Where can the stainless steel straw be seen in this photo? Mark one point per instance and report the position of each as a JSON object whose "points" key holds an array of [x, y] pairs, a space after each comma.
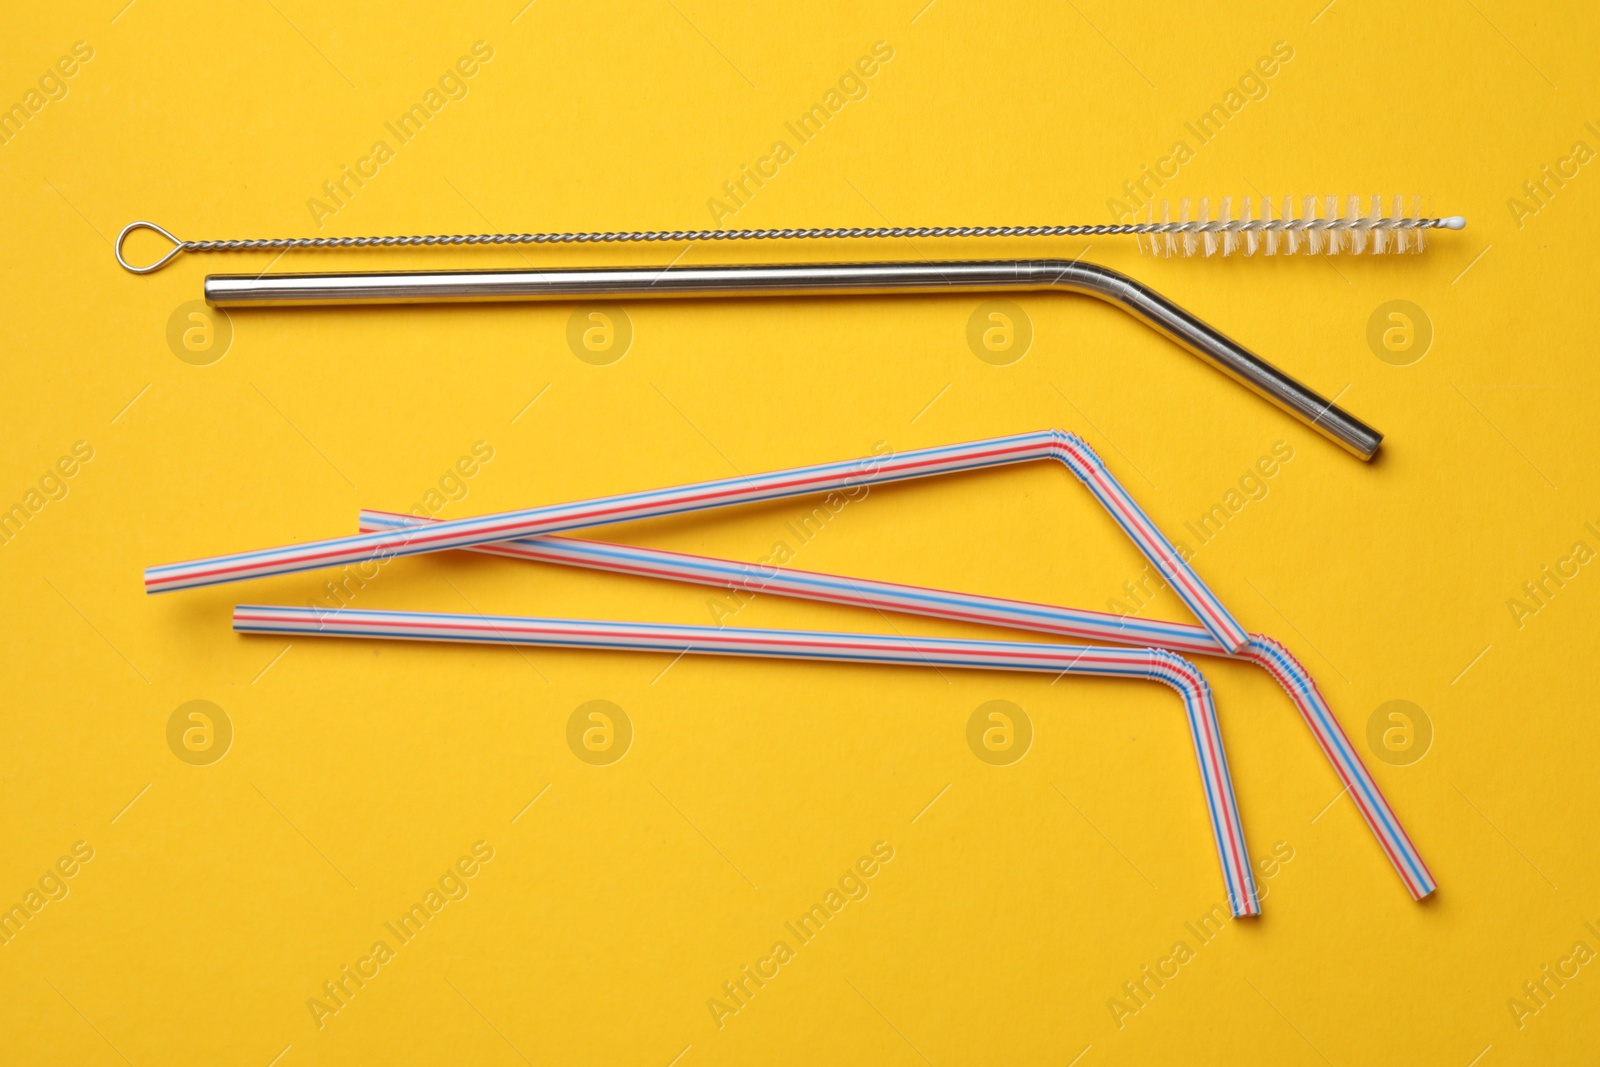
{"points": [[821, 279]]}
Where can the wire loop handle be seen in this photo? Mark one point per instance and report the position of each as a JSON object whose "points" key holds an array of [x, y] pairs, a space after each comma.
{"points": [[808, 234], [177, 246]]}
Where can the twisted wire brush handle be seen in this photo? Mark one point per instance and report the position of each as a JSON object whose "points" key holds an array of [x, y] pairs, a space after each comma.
{"points": [[1141, 229]]}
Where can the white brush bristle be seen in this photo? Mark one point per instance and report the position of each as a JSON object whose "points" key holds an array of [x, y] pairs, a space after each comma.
{"points": [[1330, 226]]}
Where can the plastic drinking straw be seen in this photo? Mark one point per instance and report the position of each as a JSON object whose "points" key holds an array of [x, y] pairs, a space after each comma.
{"points": [[1148, 663], [1017, 614], [465, 533]]}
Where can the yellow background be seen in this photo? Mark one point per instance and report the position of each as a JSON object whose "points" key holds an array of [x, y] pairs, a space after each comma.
{"points": [[220, 898]]}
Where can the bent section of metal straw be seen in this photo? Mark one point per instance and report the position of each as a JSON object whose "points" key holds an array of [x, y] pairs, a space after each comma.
{"points": [[1148, 663], [819, 279], [751, 579]]}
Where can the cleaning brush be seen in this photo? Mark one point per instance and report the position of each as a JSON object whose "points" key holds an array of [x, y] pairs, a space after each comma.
{"points": [[1318, 228]]}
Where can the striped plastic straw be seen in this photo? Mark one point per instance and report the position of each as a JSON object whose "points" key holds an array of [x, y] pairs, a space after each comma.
{"points": [[1148, 663], [465, 533], [1016, 614]]}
